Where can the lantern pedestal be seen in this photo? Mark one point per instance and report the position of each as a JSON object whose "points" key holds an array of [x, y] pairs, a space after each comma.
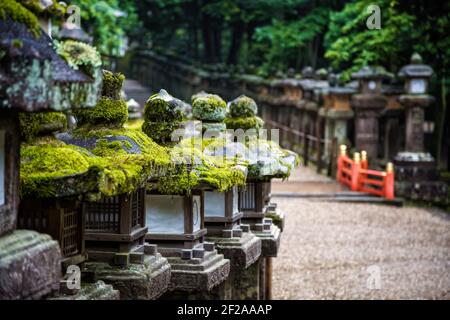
{"points": [[29, 265], [416, 174], [145, 281], [417, 178], [243, 253], [91, 291]]}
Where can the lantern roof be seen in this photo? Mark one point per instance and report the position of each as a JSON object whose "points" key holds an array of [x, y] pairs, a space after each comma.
{"points": [[34, 76], [372, 73], [73, 32], [416, 68]]}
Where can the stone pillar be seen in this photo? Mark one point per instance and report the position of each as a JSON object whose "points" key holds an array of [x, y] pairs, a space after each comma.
{"points": [[367, 106]]}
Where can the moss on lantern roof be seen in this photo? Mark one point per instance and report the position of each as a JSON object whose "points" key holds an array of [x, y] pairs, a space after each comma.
{"points": [[46, 162], [19, 13], [110, 110], [79, 55], [194, 168], [242, 106], [244, 123], [162, 115], [209, 107], [33, 124], [40, 7]]}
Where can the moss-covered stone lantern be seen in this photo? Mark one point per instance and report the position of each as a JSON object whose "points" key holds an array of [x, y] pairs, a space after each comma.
{"points": [[175, 218], [115, 211], [33, 78]]}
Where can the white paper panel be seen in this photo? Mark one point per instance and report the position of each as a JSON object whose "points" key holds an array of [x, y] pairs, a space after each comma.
{"points": [[2, 167], [196, 211], [417, 86], [214, 204], [165, 213]]}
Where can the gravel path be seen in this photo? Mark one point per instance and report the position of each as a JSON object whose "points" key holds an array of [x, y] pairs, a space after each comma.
{"points": [[361, 251]]}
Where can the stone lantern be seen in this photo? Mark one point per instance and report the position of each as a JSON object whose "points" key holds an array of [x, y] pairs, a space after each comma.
{"points": [[114, 212], [33, 78], [416, 173], [337, 113], [367, 106]]}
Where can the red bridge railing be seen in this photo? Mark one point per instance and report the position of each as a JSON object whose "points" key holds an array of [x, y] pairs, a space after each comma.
{"points": [[355, 174]]}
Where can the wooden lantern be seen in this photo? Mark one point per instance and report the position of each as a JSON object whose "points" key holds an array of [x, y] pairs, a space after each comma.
{"points": [[222, 214], [60, 218], [176, 222], [115, 228]]}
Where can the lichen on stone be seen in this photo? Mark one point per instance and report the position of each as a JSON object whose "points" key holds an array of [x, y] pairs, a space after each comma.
{"points": [[79, 55]]}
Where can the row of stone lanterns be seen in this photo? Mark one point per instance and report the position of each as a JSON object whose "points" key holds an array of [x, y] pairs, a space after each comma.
{"points": [[119, 207]]}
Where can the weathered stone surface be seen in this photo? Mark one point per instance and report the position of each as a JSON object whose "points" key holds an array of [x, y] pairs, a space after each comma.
{"points": [[270, 240], [29, 265], [92, 291], [198, 274], [145, 281], [242, 252]]}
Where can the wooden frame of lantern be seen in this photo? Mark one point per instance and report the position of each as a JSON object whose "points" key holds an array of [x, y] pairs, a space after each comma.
{"points": [[9, 169], [62, 219], [222, 214], [115, 228], [176, 223]]}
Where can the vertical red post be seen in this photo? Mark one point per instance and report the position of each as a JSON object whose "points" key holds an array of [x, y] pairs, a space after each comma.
{"points": [[356, 166], [340, 164], [389, 182], [364, 161]]}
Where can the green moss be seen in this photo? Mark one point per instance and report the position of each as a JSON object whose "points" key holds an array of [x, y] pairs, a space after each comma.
{"points": [[107, 112], [243, 107], [162, 115], [79, 55], [33, 124], [112, 84], [17, 12], [162, 107], [209, 107], [17, 43], [244, 123]]}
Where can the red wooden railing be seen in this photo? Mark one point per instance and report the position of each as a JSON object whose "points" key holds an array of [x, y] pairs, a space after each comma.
{"points": [[355, 174]]}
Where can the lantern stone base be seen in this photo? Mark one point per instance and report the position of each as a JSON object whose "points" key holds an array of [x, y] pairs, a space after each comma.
{"points": [[197, 274], [91, 291], [269, 234], [146, 281], [417, 178], [30, 265], [241, 251], [277, 216]]}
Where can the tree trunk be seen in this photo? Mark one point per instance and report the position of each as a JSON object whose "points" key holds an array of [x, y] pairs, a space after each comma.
{"points": [[236, 42]]}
